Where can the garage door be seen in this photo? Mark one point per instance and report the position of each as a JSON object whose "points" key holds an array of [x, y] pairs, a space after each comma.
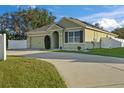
{"points": [[36, 42]]}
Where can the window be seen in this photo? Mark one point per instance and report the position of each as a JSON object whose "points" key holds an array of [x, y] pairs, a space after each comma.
{"points": [[77, 37], [73, 37]]}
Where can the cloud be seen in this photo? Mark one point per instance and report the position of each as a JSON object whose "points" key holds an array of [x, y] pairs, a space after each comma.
{"points": [[95, 17], [108, 24], [108, 20], [122, 23], [117, 13], [111, 6]]}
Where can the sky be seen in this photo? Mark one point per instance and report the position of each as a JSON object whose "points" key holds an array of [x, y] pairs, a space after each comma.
{"points": [[108, 16]]}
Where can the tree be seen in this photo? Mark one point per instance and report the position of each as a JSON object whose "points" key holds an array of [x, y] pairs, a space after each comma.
{"points": [[98, 25], [4, 20], [119, 31], [23, 20], [35, 18]]}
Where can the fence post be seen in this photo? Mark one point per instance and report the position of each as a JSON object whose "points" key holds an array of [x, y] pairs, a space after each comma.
{"points": [[3, 47]]}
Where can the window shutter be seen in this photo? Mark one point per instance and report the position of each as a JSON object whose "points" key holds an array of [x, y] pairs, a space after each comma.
{"points": [[81, 36], [66, 37]]}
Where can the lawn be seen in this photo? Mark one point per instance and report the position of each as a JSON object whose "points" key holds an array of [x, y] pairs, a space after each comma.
{"points": [[113, 52], [21, 72]]}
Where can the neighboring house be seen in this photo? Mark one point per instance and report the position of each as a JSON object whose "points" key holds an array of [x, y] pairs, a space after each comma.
{"points": [[68, 33]]}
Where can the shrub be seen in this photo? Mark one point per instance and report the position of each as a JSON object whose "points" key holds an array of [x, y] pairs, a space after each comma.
{"points": [[79, 48]]}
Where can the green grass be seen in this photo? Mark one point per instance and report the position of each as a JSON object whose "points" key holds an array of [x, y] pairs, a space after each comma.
{"points": [[113, 52], [21, 72]]}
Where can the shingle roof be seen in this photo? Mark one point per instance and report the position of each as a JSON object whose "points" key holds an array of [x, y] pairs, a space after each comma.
{"points": [[85, 23]]}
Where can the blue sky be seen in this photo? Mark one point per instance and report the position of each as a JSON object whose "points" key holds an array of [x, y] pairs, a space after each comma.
{"points": [[108, 17]]}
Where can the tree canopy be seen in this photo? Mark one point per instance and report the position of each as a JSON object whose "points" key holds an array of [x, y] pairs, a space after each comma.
{"points": [[24, 20], [35, 18], [120, 32]]}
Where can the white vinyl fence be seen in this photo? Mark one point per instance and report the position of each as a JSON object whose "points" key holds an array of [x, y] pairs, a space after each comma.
{"points": [[2, 46], [17, 44], [107, 42]]}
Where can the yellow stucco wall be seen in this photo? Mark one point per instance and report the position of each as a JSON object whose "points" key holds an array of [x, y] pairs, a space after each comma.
{"points": [[91, 35], [98, 36]]}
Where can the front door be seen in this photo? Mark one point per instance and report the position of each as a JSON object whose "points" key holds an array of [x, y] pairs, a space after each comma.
{"points": [[47, 42]]}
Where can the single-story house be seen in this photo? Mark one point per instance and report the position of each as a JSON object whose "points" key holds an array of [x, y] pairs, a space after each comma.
{"points": [[68, 33]]}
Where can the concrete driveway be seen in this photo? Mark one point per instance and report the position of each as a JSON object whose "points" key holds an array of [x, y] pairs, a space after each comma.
{"points": [[81, 70]]}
